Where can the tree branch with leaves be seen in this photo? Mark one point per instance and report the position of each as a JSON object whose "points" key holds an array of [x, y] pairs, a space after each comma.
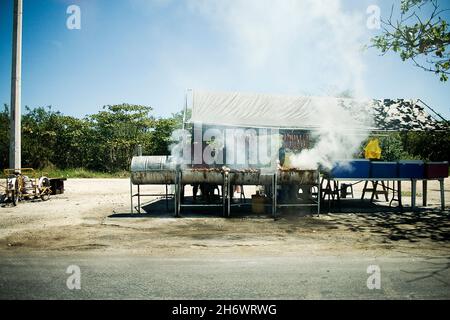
{"points": [[420, 34]]}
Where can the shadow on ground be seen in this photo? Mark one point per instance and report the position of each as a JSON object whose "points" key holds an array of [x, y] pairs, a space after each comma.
{"points": [[411, 226], [360, 216], [160, 209], [392, 223]]}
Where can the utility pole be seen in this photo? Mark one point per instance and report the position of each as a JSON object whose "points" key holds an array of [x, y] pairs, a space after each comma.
{"points": [[15, 122]]}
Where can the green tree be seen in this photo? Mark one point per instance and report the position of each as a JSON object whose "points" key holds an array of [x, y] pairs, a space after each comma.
{"points": [[420, 34], [116, 131], [4, 137], [40, 128], [178, 117], [74, 143], [392, 146], [104, 141], [160, 137], [430, 146]]}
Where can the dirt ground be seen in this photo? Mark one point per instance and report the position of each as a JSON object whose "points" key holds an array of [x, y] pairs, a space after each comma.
{"points": [[93, 215]]}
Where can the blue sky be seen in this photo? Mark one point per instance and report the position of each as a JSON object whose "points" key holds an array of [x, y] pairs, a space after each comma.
{"points": [[150, 51]]}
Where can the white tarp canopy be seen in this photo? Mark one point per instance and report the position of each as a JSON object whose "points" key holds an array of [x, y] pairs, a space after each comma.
{"points": [[297, 112]]}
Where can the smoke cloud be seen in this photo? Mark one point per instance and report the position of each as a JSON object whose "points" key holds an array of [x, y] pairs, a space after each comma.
{"points": [[285, 46], [343, 126], [288, 46]]}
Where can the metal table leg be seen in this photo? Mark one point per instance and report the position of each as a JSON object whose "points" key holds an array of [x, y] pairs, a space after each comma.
{"points": [[413, 193], [131, 196], [424, 192], [177, 194], [374, 190], [139, 198], [385, 190], [167, 199], [338, 196], [224, 196], [364, 190], [229, 195], [274, 195], [319, 197]]}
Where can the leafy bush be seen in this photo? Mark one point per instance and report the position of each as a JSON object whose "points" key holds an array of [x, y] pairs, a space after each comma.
{"points": [[393, 149], [103, 142]]}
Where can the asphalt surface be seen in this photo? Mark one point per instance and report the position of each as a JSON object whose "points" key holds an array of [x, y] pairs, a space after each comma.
{"points": [[136, 277]]}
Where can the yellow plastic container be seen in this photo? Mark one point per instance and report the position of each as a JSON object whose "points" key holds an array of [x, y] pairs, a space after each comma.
{"points": [[373, 149], [258, 202]]}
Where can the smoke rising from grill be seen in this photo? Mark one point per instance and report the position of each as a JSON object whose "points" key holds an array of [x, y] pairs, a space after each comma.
{"points": [[337, 126], [343, 125]]}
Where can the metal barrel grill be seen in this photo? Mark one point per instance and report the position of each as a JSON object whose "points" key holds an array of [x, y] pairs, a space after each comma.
{"points": [[160, 170]]}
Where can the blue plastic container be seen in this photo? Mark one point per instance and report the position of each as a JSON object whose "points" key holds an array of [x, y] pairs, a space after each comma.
{"points": [[411, 169], [382, 169], [358, 168]]}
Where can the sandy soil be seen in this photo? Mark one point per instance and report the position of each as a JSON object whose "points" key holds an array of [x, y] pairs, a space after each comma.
{"points": [[93, 216]]}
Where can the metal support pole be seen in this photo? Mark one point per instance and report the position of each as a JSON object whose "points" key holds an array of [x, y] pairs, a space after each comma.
{"points": [[183, 125], [374, 190], [328, 192], [167, 198], [413, 193], [385, 190], [364, 189], [424, 192], [274, 195], [15, 161], [175, 196], [399, 194], [177, 193], [229, 194], [338, 195], [175, 200], [131, 196], [180, 191], [224, 195], [319, 198], [441, 183], [139, 198]]}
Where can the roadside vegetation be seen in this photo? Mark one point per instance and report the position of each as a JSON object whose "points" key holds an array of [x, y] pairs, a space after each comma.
{"points": [[101, 145], [98, 145]]}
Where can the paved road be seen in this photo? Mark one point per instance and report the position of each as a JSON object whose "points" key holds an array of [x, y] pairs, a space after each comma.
{"points": [[130, 277]]}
